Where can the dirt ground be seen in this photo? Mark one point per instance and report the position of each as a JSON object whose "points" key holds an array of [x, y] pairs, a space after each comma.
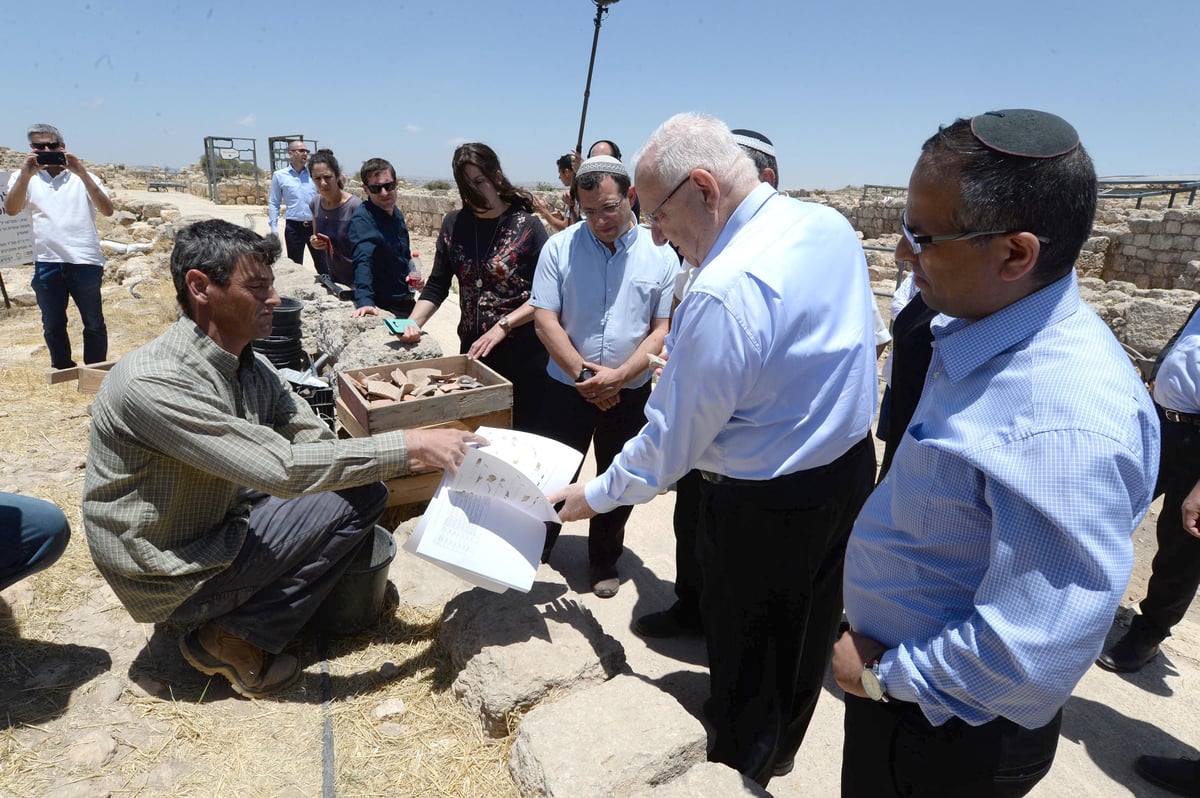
{"points": [[95, 704]]}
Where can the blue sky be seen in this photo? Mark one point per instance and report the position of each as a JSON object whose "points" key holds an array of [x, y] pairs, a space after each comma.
{"points": [[846, 89]]}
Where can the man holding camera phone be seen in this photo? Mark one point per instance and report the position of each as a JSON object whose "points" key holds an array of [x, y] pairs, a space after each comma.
{"points": [[63, 198]]}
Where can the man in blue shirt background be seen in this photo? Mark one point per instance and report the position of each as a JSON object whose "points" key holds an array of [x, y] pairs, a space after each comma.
{"points": [[294, 189], [983, 573]]}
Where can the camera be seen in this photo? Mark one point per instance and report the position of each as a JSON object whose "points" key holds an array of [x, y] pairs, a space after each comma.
{"points": [[52, 158]]}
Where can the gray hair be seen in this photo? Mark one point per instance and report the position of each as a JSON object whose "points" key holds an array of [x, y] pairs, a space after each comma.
{"points": [[695, 141], [43, 129]]}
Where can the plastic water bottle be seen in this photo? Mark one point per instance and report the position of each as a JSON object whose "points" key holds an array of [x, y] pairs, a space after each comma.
{"points": [[415, 279]]}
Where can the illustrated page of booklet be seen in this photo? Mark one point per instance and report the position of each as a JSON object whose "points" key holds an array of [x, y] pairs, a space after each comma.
{"points": [[487, 523]]}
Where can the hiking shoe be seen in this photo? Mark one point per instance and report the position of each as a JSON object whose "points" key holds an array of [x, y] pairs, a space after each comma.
{"points": [[251, 671]]}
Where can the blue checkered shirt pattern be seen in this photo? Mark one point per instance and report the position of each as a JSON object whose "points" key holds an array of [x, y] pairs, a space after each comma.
{"points": [[992, 558]]}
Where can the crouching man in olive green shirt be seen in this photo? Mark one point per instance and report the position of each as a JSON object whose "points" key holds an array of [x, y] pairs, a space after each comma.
{"points": [[214, 495]]}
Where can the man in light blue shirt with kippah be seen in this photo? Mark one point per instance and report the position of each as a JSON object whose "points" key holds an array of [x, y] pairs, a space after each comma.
{"points": [[985, 569], [602, 302]]}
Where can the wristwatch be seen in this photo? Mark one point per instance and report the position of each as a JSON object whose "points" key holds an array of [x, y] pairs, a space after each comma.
{"points": [[872, 682], [504, 325]]}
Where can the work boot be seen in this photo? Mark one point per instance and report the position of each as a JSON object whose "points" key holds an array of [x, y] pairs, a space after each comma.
{"points": [[251, 671], [1129, 654]]}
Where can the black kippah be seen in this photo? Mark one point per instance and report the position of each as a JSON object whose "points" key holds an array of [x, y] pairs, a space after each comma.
{"points": [[1025, 133]]}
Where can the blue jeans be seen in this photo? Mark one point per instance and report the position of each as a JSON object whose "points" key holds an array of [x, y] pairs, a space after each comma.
{"points": [[53, 284], [33, 534]]}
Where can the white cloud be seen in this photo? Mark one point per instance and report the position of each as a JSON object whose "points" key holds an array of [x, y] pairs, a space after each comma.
{"points": [[245, 121], [95, 102], [411, 128]]}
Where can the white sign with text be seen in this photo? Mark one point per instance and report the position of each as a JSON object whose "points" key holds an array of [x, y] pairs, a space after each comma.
{"points": [[16, 232]]}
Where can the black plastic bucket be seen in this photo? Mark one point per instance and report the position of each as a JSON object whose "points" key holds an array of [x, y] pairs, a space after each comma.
{"points": [[287, 314], [357, 599]]}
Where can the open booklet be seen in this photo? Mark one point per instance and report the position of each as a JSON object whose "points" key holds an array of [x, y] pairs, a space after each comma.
{"points": [[487, 523]]}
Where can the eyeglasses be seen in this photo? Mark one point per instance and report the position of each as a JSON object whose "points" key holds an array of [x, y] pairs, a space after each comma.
{"points": [[653, 216], [603, 211], [915, 241], [381, 187], [303, 151], [54, 145]]}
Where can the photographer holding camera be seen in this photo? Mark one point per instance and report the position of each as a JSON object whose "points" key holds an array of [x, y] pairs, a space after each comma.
{"points": [[63, 198]]}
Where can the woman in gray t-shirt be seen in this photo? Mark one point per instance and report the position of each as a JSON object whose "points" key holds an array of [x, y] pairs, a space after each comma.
{"points": [[331, 210]]}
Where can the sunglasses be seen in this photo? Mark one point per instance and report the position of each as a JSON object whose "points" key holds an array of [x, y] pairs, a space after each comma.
{"points": [[380, 187], [54, 145]]}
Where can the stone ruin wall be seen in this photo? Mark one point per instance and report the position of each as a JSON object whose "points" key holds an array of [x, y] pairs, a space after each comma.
{"points": [[1140, 270], [1149, 247]]}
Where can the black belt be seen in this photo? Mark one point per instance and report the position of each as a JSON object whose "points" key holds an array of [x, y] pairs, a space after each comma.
{"points": [[298, 221], [1181, 418], [721, 479]]}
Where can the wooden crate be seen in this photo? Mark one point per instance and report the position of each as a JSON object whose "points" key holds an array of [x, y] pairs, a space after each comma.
{"points": [[492, 402], [490, 406], [91, 376]]}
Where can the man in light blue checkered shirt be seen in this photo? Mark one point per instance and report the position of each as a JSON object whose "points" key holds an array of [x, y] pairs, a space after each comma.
{"points": [[983, 573]]}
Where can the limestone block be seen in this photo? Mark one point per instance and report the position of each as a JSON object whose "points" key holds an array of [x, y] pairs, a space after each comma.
{"points": [[1190, 275], [1190, 228], [572, 749], [1174, 215], [1172, 228], [1129, 250], [124, 218], [152, 209], [1141, 240], [511, 653], [1150, 322], [141, 267], [374, 346], [141, 231], [706, 780], [1145, 253], [1160, 241], [1140, 225], [1182, 243]]}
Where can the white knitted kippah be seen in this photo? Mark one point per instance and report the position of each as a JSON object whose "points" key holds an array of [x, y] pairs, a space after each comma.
{"points": [[605, 164]]}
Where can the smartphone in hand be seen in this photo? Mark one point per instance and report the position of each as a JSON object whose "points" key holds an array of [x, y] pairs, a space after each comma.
{"points": [[52, 158]]}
